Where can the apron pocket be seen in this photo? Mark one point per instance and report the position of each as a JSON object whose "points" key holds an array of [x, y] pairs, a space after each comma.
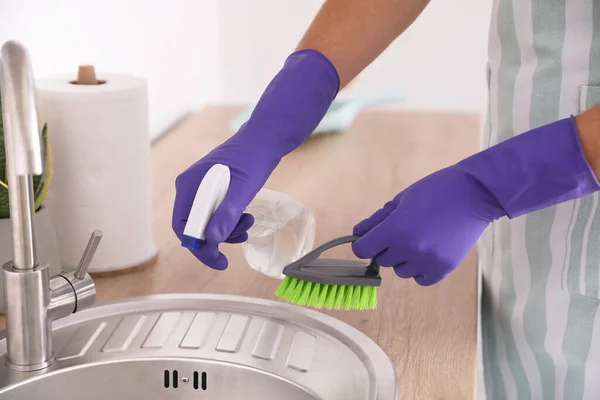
{"points": [[581, 273]]}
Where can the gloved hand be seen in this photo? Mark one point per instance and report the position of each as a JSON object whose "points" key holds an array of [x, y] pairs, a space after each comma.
{"points": [[287, 113], [427, 230]]}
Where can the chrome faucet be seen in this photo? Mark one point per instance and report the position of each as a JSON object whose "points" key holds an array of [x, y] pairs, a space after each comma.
{"points": [[33, 299]]}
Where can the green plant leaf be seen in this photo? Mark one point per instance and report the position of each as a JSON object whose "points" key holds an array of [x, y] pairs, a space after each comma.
{"points": [[41, 183], [4, 212], [3, 174]]}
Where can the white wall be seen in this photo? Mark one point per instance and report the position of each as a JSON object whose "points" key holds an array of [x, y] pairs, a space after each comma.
{"points": [[170, 43], [194, 52], [439, 62]]}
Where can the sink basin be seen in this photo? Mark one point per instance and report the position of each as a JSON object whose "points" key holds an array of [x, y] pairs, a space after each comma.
{"points": [[208, 347]]}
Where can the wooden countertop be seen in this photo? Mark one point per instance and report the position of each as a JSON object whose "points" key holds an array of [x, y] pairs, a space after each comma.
{"points": [[429, 333]]}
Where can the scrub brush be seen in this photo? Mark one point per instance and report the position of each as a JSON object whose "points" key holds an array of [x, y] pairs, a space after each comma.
{"points": [[330, 283], [310, 281]]}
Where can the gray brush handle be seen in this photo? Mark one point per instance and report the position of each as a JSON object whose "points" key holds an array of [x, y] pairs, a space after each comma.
{"points": [[373, 267]]}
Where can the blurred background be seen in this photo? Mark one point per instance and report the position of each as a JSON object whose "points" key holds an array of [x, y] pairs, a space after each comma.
{"points": [[195, 53], [199, 52]]}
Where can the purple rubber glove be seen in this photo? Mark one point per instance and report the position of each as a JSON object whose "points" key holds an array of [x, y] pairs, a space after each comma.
{"points": [[427, 230], [287, 113]]}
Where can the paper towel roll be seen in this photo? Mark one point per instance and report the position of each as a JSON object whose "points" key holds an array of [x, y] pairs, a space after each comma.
{"points": [[101, 162]]}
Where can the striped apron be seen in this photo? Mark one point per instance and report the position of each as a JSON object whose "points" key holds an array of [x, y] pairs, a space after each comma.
{"points": [[541, 272]]}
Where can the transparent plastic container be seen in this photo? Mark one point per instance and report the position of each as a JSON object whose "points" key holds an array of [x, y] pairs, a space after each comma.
{"points": [[283, 231]]}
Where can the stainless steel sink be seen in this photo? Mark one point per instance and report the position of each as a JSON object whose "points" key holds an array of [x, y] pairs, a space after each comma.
{"points": [[159, 347], [205, 347]]}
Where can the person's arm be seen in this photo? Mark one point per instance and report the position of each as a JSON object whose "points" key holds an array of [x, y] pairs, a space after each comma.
{"points": [[342, 40], [588, 126], [353, 33], [428, 229]]}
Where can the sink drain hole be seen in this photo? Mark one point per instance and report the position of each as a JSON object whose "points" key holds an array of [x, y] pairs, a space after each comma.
{"points": [[175, 379], [198, 380]]}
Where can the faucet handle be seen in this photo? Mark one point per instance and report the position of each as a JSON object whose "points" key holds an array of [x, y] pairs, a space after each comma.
{"points": [[73, 291], [88, 254]]}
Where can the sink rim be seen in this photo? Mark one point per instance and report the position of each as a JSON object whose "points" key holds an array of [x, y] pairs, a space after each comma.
{"points": [[369, 352]]}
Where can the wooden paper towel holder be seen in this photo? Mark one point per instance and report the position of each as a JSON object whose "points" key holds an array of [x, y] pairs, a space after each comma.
{"points": [[86, 75]]}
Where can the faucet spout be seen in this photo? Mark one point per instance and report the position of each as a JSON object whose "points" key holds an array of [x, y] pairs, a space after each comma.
{"points": [[22, 146], [20, 110]]}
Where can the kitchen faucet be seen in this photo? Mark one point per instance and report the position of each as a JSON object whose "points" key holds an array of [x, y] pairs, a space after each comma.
{"points": [[33, 299]]}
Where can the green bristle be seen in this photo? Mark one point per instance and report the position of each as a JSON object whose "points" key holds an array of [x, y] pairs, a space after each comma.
{"points": [[330, 297], [372, 298], [322, 296], [305, 295], [368, 299], [358, 297], [363, 301], [339, 298], [286, 288], [297, 292], [351, 293], [282, 290], [358, 290], [315, 293], [349, 300]]}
